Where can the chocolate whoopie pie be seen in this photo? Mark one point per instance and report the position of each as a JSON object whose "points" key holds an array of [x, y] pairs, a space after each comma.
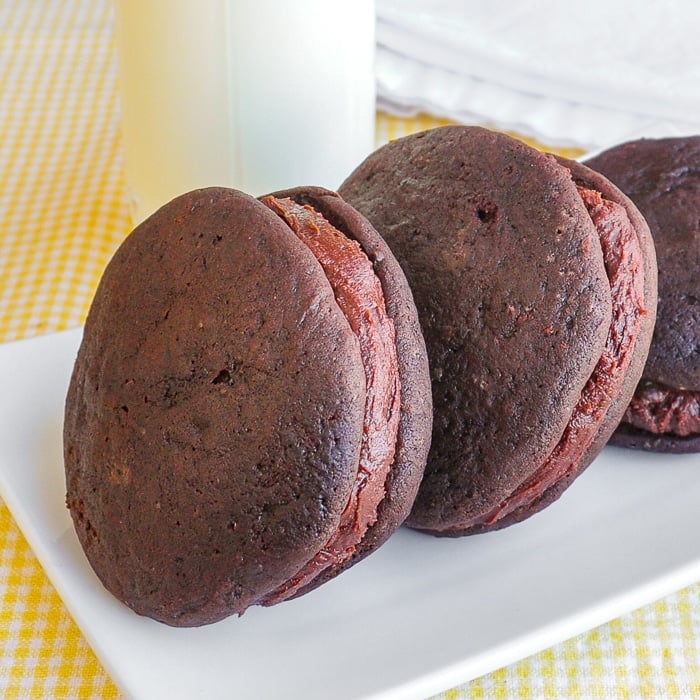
{"points": [[249, 412], [535, 284], [662, 177]]}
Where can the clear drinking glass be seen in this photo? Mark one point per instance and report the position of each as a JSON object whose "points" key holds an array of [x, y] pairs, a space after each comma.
{"points": [[253, 94]]}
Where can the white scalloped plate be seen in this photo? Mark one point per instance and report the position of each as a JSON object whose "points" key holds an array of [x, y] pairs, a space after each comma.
{"points": [[418, 616]]}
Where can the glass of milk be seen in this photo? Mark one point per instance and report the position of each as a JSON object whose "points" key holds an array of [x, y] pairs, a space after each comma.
{"points": [[253, 94]]}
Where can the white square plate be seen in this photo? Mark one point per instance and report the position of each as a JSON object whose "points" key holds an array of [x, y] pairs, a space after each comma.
{"points": [[418, 616]]}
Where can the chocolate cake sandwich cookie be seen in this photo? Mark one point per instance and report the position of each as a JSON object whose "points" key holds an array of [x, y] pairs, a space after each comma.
{"points": [[249, 412], [535, 284], [662, 177]]}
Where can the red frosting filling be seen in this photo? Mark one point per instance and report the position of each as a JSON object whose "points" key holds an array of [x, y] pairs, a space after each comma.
{"points": [[624, 267], [661, 410], [359, 295]]}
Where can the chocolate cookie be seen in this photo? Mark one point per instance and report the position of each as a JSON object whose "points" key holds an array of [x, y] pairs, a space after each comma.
{"points": [[249, 412], [662, 177], [535, 284]]}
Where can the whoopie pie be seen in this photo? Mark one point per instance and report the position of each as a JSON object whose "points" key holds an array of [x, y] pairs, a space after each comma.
{"points": [[535, 283], [662, 177], [250, 410]]}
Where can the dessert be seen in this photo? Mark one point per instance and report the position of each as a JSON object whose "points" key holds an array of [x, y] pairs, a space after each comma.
{"points": [[662, 177], [535, 284], [249, 412]]}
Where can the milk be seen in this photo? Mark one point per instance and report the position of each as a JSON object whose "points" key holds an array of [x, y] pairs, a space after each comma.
{"points": [[253, 94]]}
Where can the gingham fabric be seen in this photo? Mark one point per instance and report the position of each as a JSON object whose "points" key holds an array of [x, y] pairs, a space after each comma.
{"points": [[63, 211]]}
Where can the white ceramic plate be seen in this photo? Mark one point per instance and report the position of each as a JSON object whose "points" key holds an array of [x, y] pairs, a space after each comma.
{"points": [[418, 616]]}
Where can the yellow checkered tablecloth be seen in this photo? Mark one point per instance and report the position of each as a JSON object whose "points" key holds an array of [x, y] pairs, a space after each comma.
{"points": [[63, 211]]}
